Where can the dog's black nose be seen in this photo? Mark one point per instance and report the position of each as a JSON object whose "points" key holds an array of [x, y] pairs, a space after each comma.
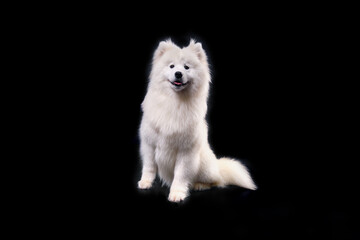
{"points": [[178, 74]]}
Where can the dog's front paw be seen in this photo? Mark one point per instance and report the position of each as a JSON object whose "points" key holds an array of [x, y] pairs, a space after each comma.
{"points": [[144, 184], [177, 196]]}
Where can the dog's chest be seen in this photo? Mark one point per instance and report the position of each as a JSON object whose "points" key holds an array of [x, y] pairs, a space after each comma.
{"points": [[171, 119]]}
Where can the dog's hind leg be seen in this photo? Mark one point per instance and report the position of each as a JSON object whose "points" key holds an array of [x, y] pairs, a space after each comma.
{"points": [[201, 186]]}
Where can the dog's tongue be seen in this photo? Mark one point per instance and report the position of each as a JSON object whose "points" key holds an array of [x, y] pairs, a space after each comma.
{"points": [[177, 83]]}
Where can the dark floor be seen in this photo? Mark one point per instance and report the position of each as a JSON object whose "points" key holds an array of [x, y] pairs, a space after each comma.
{"points": [[284, 207]]}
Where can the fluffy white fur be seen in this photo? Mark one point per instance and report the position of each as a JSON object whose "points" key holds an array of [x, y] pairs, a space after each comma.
{"points": [[173, 130]]}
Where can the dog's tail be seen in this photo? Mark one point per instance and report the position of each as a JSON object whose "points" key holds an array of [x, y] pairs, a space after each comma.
{"points": [[235, 173]]}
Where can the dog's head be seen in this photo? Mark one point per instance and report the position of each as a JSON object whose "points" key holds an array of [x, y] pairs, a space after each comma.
{"points": [[180, 68]]}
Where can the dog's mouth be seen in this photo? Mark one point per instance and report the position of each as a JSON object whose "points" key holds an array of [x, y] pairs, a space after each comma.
{"points": [[177, 83]]}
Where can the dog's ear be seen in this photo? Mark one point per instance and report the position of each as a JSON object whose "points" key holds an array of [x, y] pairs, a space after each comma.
{"points": [[162, 48], [198, 49]]}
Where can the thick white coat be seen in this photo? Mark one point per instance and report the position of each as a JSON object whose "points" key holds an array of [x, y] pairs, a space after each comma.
{"points": [[173, 130]]}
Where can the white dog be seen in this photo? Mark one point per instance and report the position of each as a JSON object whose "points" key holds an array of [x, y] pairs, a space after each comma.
{"points": [[173, 130]]}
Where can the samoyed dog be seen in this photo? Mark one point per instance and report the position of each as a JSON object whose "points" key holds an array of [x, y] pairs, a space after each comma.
{"points": [[173, 130]]}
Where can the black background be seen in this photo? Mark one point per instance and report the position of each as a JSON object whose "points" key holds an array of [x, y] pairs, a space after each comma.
{"points": [[273, 104]]}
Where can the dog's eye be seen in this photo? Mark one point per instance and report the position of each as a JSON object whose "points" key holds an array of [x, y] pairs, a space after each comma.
{"points": [[172, 66], [186, 67]]}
